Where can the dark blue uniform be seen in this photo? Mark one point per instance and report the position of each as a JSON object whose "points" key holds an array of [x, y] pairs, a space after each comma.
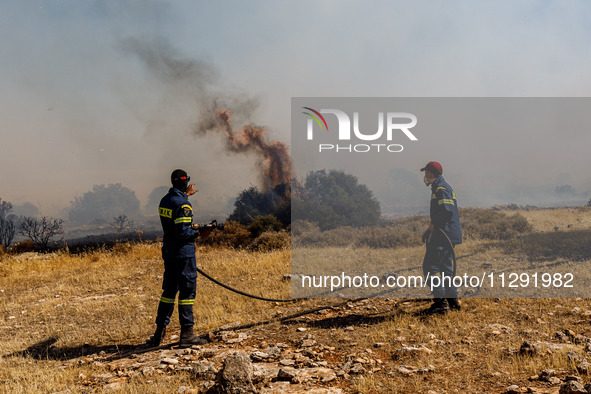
{"points": [[444, 215], [178, 252]]}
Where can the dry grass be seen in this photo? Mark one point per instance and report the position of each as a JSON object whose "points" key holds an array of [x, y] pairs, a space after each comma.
{"points": [[107, 298], [543, 220], [110, 298]]}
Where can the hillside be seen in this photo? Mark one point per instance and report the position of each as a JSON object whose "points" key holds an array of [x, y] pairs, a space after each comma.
{"points": [[76, 323]]}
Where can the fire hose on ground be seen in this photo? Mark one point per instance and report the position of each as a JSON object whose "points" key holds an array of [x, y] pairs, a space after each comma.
{"points": [[397, 305]]}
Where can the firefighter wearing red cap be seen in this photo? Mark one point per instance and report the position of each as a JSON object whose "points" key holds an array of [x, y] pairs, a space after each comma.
{"points": [[178, 252], [443, 234]]}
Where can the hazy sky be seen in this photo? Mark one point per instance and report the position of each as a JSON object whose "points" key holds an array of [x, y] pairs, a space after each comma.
{"points": [[86, 98]]}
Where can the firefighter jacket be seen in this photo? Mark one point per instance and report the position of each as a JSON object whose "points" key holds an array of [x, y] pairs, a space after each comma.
{"points": [[176, 216], [444, 210]]}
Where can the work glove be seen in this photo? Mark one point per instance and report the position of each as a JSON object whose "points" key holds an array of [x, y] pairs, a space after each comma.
{"points": [[426, 236]]}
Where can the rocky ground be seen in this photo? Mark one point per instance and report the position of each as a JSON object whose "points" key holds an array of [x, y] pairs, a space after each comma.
{"points": [[320, 353]]}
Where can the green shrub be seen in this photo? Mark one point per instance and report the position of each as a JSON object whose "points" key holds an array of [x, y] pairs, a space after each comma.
{"points": [[234, 235], [300, 227], [261, 224], [271, 240]]}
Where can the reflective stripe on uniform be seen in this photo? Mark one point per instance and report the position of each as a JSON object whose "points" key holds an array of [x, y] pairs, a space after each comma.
{"points": [[183, 220], [167, 300], [445, 201], [167, 213], [433, 196], [440, 188], [186, 302]]}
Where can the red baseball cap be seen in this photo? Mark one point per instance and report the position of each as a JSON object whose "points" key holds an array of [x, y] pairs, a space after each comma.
{"points": [[433, 167]]}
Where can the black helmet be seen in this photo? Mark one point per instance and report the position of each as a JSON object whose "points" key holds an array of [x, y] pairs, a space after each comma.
{"points": [[180, 180]]}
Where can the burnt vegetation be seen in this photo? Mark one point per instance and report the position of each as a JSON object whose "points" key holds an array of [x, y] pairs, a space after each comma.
{"points": [[40, 231], [7, 224]]}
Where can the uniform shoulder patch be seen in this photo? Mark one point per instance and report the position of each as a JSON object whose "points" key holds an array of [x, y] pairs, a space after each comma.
{"points": [[187, 210]]}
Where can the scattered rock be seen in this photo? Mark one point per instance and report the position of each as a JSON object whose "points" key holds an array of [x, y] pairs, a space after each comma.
{"points": [[569, 333], [307, 343], [568, 378], [572, 387], [410, 370], [546, 374], [241, 337], [171, 361], [287, 373], [513, 389], [205, 370], [575, 357], [413, 350], [287, 362], [584, 367], [530, 349], [112, 386], [236, 374], [379, 344], [498, 329], [272, 351], [205, 386], [320, 373], [148, 371], [263, 372], [561, 336], [357, 369], [259, 356], [301, 329]]}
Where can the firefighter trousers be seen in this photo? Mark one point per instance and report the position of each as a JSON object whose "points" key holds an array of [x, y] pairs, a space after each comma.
{"points": [[180, 276], [438, 262]]}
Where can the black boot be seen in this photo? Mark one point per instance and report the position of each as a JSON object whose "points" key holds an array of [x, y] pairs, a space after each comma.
{"points": [[439, 307], [454, 304], [189, 339], [158, 336]]}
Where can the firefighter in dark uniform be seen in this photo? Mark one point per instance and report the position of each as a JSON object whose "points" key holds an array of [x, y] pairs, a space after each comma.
{"points": [[178, 252], [443, 234]]}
